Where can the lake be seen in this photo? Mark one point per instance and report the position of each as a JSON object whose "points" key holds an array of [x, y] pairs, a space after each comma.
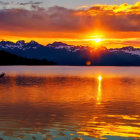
{"points": [[69, 103]]}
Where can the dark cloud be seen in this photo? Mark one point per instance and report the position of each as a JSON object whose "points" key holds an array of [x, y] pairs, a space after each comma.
{"points": [[34, 5], [121, 22], [54, 19], [30, 3]]}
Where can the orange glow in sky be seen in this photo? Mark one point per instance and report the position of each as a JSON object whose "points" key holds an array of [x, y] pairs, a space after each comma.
{"points": [[111, 26]]}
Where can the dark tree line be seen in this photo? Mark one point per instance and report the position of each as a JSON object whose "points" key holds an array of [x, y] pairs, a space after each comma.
{"points": [[12, 59]]}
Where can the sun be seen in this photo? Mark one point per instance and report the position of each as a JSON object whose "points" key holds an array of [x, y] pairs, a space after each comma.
{"points": [[97, 40], [99, 77]]}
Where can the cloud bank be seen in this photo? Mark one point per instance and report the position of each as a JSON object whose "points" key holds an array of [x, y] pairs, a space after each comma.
{"points": [[122, 18]]}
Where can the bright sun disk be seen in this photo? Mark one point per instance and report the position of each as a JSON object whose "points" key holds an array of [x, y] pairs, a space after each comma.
{"points": [[97, 40], [99, 77]]}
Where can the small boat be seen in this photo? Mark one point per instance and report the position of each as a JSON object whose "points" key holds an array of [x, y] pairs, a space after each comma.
{"points": [[2, 75]]}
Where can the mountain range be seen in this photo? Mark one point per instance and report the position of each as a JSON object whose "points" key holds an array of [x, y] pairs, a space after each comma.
{"points": [[63, 54]]}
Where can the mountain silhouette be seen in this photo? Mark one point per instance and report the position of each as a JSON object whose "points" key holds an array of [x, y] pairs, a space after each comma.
{"points": [[64, 54]]}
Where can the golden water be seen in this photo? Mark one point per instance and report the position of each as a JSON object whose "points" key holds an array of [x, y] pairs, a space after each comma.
{"points": [[70, 103]]}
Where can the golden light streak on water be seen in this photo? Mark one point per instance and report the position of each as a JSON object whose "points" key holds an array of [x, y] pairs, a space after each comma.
{"points": [[99, 94]]}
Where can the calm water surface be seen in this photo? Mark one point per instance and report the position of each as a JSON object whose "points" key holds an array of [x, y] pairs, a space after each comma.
{"points": [[70, 103]]}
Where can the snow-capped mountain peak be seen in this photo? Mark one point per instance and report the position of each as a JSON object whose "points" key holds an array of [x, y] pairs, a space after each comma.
{"points": [[129, 49], [21, 45]]}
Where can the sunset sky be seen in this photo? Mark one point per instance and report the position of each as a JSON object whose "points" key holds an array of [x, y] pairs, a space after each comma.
{"points": [[110, 23]]}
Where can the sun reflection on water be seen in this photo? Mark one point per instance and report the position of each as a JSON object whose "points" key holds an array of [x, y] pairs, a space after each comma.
{"points": [[99, 94]]}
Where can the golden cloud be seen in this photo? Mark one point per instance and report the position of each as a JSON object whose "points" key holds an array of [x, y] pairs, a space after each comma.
{"points": [[123, 9]]}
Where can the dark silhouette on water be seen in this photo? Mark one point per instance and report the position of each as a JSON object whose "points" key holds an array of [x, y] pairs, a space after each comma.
{"points": [[2, 75], [13, 59]]}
